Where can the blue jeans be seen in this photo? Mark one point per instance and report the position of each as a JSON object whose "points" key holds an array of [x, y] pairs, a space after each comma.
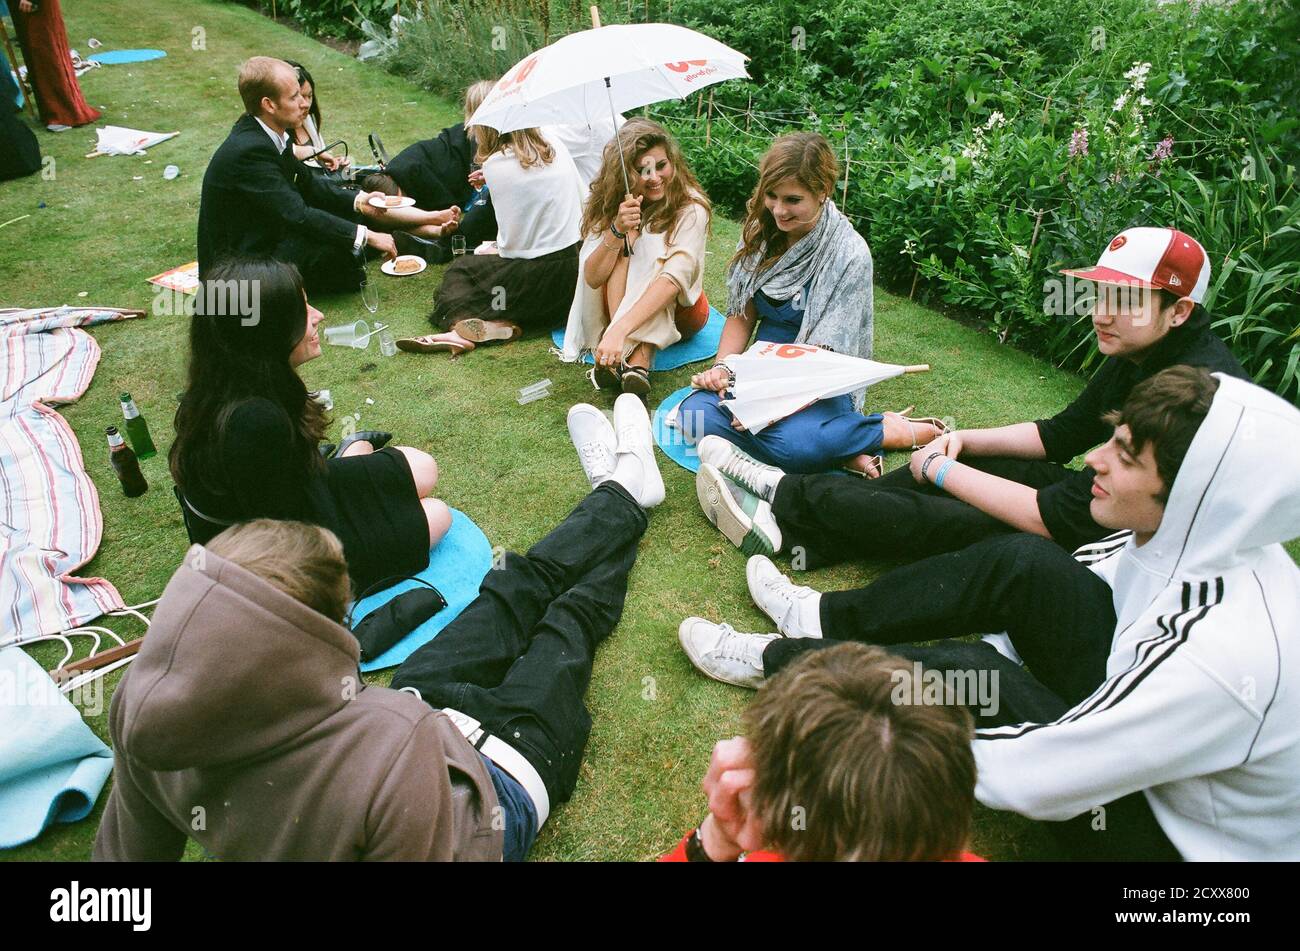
{"points": [[518, 811]]}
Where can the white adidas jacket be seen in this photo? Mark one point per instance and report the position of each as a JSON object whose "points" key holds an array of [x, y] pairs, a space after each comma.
{"points": [[1201, 703]]}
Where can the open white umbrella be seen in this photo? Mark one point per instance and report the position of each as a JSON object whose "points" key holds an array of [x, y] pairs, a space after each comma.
{"points": [[619, 68], [776, 380]]}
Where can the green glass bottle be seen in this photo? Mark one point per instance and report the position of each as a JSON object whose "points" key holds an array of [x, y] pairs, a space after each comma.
{"points": [[137, 429]]}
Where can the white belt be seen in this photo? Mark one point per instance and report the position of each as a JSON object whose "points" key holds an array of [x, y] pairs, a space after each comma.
{"points": [[508, 758]]}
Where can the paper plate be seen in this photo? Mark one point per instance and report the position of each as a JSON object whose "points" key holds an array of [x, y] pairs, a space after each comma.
{"points": [[388, 266], [378, 201]]}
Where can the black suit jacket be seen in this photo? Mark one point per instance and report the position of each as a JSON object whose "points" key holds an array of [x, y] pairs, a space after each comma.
{"points": [[260, 202]]}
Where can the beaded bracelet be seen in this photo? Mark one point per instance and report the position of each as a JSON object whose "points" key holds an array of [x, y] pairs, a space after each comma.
{"points": [[925, 466]]}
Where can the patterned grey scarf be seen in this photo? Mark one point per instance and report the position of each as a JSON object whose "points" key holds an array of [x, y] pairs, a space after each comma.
{"points": [[834, 262]]}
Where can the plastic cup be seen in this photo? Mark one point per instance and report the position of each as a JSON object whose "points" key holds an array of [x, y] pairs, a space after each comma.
{"points": [[387, 345], [457, 244], [325, 400], [349, 335], [171, 171]]}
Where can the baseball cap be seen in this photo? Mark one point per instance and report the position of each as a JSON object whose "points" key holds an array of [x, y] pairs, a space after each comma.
{"points": [[1153, 257]]}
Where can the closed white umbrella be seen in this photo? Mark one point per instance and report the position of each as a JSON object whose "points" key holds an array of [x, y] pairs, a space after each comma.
{"points": [[776, 380]]}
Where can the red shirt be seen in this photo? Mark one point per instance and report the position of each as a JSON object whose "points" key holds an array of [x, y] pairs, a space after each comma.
{"points": [[679, 854]]}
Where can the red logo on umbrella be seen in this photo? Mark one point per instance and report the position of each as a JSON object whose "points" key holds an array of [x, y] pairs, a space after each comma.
{"points": [[685, 67], [1118, 243]]}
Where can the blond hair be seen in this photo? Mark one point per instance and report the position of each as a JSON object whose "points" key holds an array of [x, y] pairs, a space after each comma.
{"points": [[257, 81], [608, 188], [872, 779], [802, 157], [529, 146], [304, 561], [475, 93]]}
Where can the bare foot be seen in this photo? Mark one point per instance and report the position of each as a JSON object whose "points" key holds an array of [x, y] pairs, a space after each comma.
{"points": [[868, 466], [903, 432]]}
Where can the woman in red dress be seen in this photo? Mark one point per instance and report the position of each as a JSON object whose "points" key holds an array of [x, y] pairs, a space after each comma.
{"points": [[49, 63]]}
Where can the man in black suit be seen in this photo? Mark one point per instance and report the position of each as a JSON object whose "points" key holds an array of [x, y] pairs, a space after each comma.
{"points": [[258, 199]]}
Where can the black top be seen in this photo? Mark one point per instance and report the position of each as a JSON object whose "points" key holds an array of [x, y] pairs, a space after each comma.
{"points": [[256, 478], [254, 200], [435, 171], [1064, 506]]}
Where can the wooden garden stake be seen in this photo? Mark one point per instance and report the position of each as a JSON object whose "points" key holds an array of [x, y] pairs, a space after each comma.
{"points": [[844, 190]]}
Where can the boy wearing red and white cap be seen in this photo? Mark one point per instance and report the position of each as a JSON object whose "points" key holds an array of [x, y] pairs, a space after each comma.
{"points": [[970, 484]]}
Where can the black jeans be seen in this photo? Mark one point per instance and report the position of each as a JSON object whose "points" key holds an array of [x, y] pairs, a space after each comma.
{"points": [[833, 518], [518, 659], [1060, 618]]}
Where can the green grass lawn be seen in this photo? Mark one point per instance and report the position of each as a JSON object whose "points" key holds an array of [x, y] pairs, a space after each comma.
{"points": [[102, 232]]}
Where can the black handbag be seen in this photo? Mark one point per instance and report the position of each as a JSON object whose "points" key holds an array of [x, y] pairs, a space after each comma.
{"points": [[389, 623]]}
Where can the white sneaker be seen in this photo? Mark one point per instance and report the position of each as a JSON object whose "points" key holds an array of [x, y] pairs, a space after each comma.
{"points": [[744, 518], [634, 437], [723, 653], [795, 609], [593, 437], [740, 467]]}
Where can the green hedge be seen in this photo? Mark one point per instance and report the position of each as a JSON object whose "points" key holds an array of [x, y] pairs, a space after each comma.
{"points": [[992, 142]]}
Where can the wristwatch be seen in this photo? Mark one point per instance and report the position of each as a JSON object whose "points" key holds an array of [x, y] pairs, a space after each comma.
{"points": [[695, 848]]}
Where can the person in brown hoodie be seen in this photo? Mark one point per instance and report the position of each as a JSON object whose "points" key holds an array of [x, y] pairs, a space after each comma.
{"points": [[244, 723]]}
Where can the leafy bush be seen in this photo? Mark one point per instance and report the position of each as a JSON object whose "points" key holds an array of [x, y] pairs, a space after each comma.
{"points": [[994, 142], [990, 142]]}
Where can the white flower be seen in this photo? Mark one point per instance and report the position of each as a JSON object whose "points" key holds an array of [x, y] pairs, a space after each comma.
{"points": [[1120, 103], [996, 120], [1138, 75], [909, 247], [1144, 102]]}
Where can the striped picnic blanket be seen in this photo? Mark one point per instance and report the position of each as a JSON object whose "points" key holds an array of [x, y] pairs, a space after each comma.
{"points": [[50, 523]]}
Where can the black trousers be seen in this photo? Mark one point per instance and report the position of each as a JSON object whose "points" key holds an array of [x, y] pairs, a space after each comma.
{"points": [[1060, 618], [518, 659], [833, 518], [325, 269]]}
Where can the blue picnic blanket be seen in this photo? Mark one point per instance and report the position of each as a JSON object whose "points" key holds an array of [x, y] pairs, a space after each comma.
{"points": [[669, 438], [456, 568], [700, 347], [52, 767]]}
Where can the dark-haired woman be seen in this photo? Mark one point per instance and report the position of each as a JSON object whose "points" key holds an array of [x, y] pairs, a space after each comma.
{"points": [[248, 434], [307, 142]]}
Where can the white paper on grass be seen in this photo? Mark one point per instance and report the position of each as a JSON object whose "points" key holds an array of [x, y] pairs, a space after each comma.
{"points": [[776, 380], [119, 140]]}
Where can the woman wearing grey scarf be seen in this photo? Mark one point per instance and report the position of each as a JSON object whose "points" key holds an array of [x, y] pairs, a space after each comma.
{"points": [[833, 263], [803, 275]]}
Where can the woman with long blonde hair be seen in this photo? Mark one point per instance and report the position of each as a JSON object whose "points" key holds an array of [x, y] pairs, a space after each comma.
{"points": [[525, 280], [641, 286], [801, 275]]}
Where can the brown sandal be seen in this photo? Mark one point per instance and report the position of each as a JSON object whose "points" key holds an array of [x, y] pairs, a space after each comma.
{"points": [[477, 330], [434, 343]]}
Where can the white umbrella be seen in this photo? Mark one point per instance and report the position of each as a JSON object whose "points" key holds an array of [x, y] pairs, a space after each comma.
{"points": [[776, 380], [621, 67]]}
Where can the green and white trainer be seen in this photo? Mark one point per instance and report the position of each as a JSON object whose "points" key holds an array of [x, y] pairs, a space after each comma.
{"points": [[743, 517]]}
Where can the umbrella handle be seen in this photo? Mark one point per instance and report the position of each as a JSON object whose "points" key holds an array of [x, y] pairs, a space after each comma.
{"points": [[917, 368], [595, 17]]}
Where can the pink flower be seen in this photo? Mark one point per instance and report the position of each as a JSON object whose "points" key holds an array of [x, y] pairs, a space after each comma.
{"points": [[1079, 142], [1164, 150]]}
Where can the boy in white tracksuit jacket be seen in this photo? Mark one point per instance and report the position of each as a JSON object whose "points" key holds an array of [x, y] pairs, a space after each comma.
{"points": [[1200, 708]]}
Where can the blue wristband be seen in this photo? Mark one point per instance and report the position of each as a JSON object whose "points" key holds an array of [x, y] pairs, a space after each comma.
{"points": [[943, 470]]}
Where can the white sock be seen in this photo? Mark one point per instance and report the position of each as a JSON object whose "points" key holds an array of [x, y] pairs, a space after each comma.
{"points": [[810, 614], [629, 474]]}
